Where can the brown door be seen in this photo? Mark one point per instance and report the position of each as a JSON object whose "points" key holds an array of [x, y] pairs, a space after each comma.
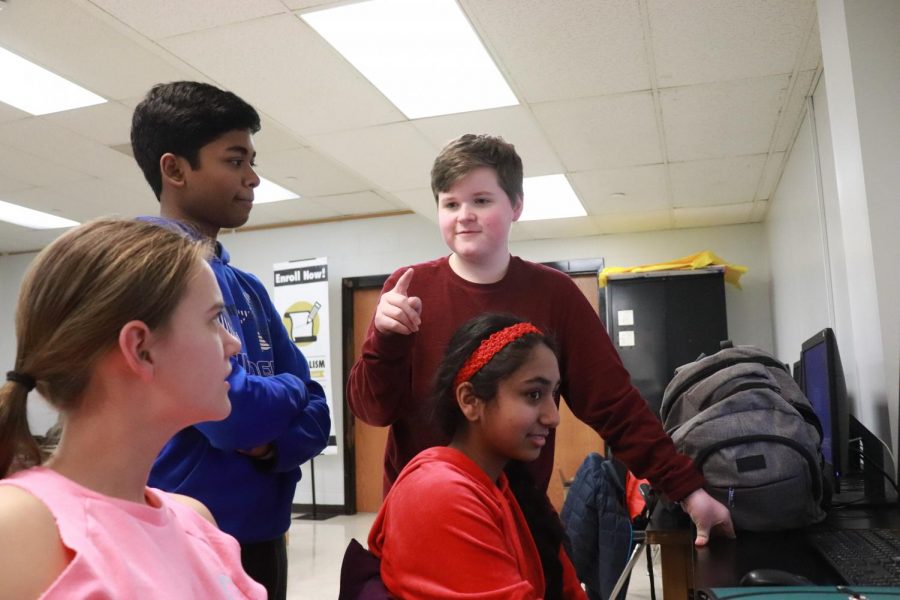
{"points": [[369, 441], [574, 439]]}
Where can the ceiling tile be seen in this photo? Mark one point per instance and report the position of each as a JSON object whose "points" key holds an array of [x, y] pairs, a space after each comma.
{"points": [[759, 211], [644, 189], [722, 119], [420, 200], [108, 124], [393, 157], [308, 173], [10, 113], [273, 137], [556, 228], [653, 220], [43, 139], [301, 209], [303, 5], [155, 19], [812, 56], [288, 72], [603, 132], [771, 174], [86, 199], [359, 203], [86, 45], [792, 113], [712, 216], [549, 52], [331, 136], [709, 40], [513, 123], [19, 169], [716, 181]]}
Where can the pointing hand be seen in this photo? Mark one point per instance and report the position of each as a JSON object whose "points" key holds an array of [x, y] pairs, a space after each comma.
{"points": [[397, 311]]}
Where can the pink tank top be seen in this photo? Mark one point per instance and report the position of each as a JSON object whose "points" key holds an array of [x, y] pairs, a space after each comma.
{"points": [[129, 550]]}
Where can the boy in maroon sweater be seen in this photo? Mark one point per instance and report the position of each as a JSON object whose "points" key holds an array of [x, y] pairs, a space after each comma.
{"points": [[477, 183]]}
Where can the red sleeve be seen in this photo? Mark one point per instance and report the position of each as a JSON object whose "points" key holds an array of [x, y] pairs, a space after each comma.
{"points": [[443, 539], [379, 384], [598, 389]]}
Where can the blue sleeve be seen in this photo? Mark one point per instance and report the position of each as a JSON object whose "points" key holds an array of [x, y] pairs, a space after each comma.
{"points": [[307, 435], [266, 409]]}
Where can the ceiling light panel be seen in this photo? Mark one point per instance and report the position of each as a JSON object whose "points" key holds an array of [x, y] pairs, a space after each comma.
{"points": [[33, 219], [423, 55], [550, 197], [268, 191], [38, 91]]}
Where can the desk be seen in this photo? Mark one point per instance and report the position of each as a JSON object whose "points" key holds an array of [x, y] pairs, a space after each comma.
{"points": [[723, 562]]}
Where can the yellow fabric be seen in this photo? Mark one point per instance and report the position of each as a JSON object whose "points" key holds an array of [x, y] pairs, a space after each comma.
{"points": [[694, 261]]}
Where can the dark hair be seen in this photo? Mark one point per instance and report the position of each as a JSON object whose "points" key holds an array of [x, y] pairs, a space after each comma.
{"points": [[181, 117], [486, 381], [468, 152], [543, 522]]}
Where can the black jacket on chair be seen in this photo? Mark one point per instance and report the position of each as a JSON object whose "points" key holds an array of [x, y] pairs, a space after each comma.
{"points": [[598, 526]]}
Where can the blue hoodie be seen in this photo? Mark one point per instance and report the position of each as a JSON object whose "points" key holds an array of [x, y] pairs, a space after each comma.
{"points": [[273, 400]]}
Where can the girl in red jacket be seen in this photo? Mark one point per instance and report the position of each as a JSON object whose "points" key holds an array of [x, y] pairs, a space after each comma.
{"points": [[466, 520]]}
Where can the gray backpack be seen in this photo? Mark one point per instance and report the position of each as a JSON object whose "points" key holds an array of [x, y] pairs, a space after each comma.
{"points": [[748, 427]]}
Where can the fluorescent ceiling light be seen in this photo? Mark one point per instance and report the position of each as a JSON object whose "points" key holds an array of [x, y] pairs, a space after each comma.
{"points": [[550, 197], [423, 55], [267, 191], [36, 90], [33, 219]]}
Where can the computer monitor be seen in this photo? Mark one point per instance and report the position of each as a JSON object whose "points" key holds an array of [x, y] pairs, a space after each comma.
{"points": [[823, 383]]}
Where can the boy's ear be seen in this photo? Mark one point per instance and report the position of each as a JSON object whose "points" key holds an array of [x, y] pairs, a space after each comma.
{"points": [[135, 341], [472, 406], [172, 169], [518, 207]]}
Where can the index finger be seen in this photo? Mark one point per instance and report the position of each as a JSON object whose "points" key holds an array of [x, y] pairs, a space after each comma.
{"points": [[402, 285]]}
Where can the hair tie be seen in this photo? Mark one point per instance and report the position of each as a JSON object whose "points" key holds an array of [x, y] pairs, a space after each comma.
{"points": [[23, 379], [489, 347]]}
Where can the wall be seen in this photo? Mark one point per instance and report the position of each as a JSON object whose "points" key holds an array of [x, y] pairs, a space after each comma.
{"points": [[872, 27], [861, 58], [799, 287]]}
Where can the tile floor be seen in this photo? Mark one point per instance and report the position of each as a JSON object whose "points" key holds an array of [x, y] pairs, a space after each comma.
{"points": [[315, 550]]}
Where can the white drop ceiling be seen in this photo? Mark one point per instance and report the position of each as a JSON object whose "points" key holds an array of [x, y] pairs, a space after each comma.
{"points": [[686, 107]]}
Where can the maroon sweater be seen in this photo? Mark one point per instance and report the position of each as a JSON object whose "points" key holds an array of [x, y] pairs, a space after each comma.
{"points": [[391, 382]]}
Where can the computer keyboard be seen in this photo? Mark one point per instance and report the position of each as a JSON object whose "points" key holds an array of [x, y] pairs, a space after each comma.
{"points": [[861, 556]]}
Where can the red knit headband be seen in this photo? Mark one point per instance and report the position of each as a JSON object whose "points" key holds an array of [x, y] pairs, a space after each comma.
{"points": [[489, 347]]}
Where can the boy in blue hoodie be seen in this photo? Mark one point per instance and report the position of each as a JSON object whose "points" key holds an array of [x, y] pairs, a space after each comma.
{"points": [[194, 143]]}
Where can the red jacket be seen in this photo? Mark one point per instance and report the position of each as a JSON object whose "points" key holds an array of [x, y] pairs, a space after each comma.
{"points": [[446, 531]]}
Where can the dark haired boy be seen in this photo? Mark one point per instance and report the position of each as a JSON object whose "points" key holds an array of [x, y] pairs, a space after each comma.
{"points": [[194, 143], [477, 183]]}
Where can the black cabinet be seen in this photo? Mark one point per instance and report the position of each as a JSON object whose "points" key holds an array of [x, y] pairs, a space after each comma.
{"points": [[659, 321]]}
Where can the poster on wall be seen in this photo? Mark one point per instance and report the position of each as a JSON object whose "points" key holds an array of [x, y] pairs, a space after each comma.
{"points": [[301, 297]]}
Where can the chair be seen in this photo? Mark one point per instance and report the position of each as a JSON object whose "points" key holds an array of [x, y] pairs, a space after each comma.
{"points": [[604, 543], [639, 540], [361, 575]]}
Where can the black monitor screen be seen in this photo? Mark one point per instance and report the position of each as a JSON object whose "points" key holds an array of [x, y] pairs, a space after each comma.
{"points": [[818, 390], [824, 386]]}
